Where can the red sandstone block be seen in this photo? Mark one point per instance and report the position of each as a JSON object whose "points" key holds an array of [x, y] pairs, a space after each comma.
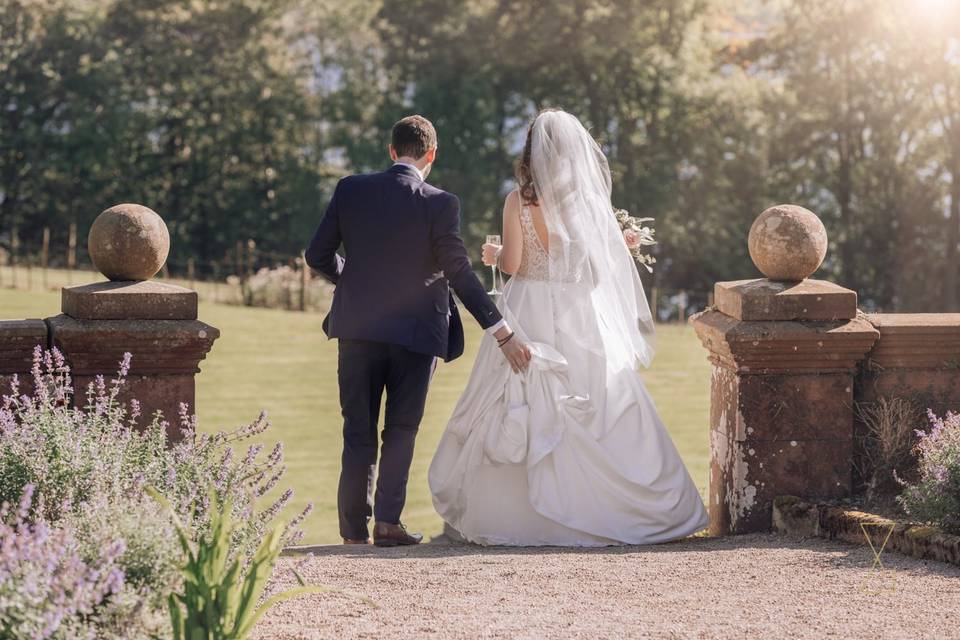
{"points": [[129, 301], [763, 299], [18, 339]]}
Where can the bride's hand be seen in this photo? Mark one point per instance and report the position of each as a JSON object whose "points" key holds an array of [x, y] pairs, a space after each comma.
{"points": [[490, 253]]}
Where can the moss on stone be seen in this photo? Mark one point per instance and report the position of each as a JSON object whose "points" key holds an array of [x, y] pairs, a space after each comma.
{"points": [[922, 532]]}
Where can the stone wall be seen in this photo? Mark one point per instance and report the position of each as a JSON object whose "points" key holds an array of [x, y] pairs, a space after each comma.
{"points": [[165, 357], [915, 360], [917, 357], [18, 339]]}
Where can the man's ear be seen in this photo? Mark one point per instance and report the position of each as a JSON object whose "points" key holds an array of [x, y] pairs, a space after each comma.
{"points": [[393, 152], [431, 155]]}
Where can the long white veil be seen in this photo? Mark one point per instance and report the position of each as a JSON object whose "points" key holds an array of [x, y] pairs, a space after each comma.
{"points": [[588, 256]]}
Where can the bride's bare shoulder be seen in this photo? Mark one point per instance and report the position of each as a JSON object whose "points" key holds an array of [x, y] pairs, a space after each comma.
{"points": [[511, 204]]}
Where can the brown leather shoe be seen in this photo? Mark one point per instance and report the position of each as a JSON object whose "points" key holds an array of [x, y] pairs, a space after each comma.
{"points": [[393, 535], [351, 541]]}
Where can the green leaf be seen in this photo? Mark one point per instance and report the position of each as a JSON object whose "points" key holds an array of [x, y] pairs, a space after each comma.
{"points": [[273, 600], [176, 618]]}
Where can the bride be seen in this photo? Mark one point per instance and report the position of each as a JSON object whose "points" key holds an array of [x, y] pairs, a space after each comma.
{"points": [[571, 451]]}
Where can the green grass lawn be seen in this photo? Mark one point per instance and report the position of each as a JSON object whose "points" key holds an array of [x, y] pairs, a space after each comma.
{"points": [[280, 361]]}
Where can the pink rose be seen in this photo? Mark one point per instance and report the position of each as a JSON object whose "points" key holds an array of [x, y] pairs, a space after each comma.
{"points": [[632, 238]]}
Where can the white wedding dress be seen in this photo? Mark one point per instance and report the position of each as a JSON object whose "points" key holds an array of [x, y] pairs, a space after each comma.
{"points": [[572, 451]]}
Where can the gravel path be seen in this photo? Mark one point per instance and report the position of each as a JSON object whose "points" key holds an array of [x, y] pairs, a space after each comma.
{"points": [[751, 586]]}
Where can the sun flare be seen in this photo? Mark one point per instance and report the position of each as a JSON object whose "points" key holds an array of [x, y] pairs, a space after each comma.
{"points": [[932, 8]]}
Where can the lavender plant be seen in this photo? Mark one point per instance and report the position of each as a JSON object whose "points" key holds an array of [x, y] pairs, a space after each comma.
{"points": [[47, 590], [935, 497], [90, 466]]}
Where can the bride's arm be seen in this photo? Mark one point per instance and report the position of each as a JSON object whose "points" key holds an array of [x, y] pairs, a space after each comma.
{"points": [[512, 250]]}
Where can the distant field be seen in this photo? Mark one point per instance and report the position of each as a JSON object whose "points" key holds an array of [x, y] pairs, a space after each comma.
{"points": [[280, 361]]}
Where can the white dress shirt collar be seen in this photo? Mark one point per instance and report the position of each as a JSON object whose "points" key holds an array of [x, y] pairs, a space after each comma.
{"points": [[406, 164]]}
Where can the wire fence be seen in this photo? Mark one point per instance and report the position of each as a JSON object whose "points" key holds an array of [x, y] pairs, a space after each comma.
{"points": [[244, 276]]}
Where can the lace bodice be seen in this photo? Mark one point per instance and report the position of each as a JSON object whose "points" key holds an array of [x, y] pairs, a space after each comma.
{"points": [[534, 263]]}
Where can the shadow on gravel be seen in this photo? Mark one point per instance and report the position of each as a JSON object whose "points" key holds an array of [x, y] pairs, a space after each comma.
{"points": [[835, 553]]}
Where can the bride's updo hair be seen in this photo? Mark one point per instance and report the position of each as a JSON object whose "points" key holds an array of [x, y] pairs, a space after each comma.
{"points": [[528, 192]]}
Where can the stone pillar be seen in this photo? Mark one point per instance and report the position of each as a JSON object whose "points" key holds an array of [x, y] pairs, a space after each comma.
{"points": [[18, 339], [784, 355], [153, 321]]}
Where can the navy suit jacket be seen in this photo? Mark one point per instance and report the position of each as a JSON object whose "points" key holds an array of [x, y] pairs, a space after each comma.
{"points": [[401, 239]]}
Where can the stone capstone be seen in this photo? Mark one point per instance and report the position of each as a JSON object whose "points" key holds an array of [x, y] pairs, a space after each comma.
{"points": [[763, 299], [128, 242], [129, 301], [787, 242]]}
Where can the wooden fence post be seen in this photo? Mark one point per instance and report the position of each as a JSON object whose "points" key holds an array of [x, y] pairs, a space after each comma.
{"points": [[216, 282], [45, 256], [245, 288], [304, 281], [238, 260], [71, 252], [251, 257], [14, 249]]}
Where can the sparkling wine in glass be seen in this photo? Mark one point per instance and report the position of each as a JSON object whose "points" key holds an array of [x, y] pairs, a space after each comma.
{"points": [[495, 291]]}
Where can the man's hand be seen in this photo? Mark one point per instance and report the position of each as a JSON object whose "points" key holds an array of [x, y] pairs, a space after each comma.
{"points": [[514, 350]]}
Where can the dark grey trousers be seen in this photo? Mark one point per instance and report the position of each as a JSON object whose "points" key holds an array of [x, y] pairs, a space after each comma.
{"points": [[365, 370]]}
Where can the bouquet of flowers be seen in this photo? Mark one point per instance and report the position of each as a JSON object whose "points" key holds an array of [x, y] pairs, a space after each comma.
{"points": [[637, 236]]}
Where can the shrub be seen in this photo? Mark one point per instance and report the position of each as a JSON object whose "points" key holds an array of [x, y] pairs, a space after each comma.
{"points": [[279, 288], [935, 496], [89, 466], [885, 445]]}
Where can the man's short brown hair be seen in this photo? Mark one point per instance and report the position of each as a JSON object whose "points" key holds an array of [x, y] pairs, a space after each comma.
{"points": [[413, 136]]}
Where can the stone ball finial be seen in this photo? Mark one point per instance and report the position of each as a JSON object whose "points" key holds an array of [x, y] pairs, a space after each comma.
{"points": [[128, 242], [787, 242]]}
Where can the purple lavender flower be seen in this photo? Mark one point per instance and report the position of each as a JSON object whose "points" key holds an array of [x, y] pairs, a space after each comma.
{"points": [[935, 496], [44, 584]]}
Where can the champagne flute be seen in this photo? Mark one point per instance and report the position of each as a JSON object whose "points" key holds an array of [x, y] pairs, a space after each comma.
{"points": [[494, 239]]}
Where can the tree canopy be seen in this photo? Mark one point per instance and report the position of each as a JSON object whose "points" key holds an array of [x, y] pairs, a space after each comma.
{"points": [[233, 118]]}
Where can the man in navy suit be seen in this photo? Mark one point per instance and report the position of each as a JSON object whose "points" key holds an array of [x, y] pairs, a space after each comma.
{"points": [[394, 314]]}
